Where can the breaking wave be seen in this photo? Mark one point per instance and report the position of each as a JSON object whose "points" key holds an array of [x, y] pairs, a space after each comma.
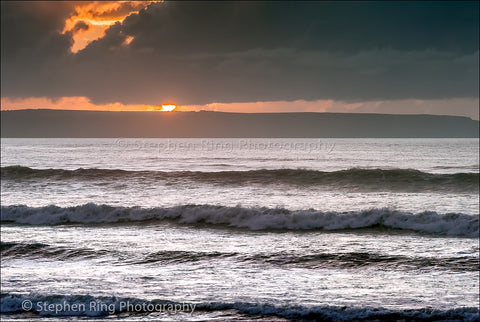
{"points": [[97, 306], [452, 224]]}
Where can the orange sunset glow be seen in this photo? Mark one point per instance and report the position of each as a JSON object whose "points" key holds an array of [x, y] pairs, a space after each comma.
{"points": [[90, 20], [84, 103]]}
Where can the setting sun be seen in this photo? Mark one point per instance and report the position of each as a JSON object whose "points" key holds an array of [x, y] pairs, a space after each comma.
{"points": [[168, 107]]}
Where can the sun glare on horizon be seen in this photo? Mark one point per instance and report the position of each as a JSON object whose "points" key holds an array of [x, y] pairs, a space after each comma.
{"points": [[168, 107]]}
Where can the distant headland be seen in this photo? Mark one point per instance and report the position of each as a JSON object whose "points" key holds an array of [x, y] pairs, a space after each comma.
{"points": [[205, 124]]}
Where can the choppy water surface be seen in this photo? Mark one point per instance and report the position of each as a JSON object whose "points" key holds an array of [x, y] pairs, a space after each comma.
{"points": [[271, 229]]}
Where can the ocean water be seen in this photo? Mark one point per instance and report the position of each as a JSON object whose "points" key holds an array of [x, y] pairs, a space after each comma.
{"points": [[240, 229]]}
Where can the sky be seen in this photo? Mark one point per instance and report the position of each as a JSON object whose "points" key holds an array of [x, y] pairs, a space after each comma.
{"points": [[363, 57]]}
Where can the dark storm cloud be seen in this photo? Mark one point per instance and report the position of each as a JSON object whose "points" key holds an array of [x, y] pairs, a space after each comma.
{"points": [[195, 53], [32, 48]]}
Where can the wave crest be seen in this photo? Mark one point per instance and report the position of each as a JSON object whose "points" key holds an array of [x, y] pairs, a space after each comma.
{"points": [[409, 180], [310, 261]]}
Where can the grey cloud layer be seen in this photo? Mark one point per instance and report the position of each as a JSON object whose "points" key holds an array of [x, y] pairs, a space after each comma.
{"points": [[196, 53]]}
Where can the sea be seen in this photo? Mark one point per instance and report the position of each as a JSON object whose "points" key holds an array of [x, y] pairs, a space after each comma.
{"points": [[240, 229]]}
